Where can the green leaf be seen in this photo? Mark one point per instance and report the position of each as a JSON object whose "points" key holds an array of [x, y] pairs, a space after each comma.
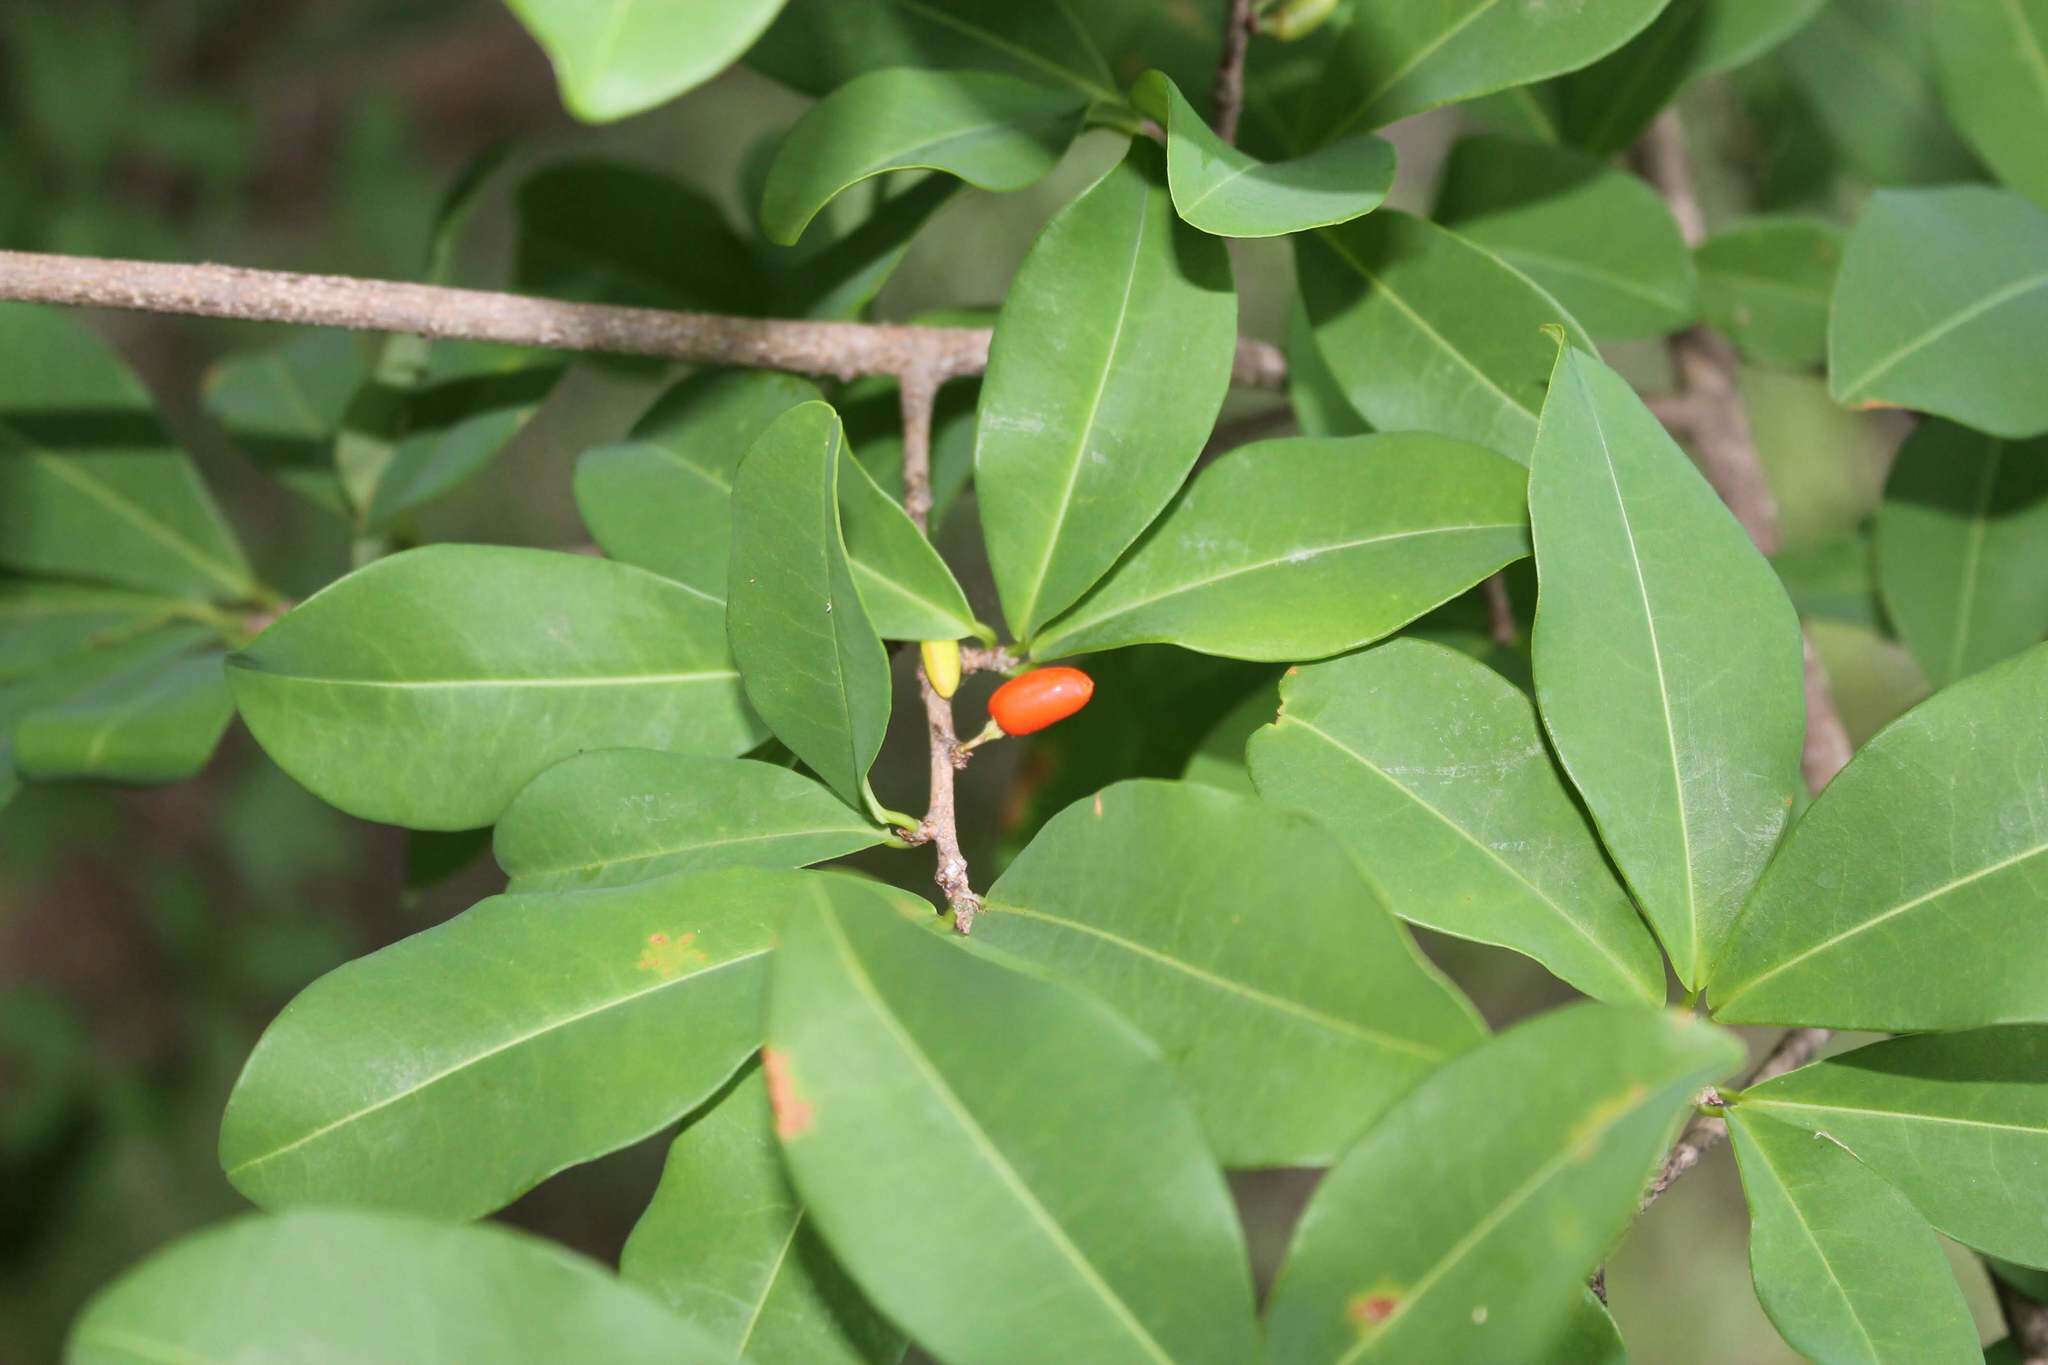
{"points": [[1426, 331], [625, 1008], [1598, 239], [606, 232], [91, 485], [836, 278], [428, 688], [1462, 1226], [617, 816], [1589, 1338], [1831, 580], [619, 59], [1767, 283], [1229, 193], [993, 131], [1844, 1266], [1942, 305], [156, 722], [1910, 895], [1956, 1122], [907, 589], [728, 1245], [283, 406], [1991, 61], [338, 1284], [813, 666], [1162, 897], [1110, 360], [936, 1109], [1320, 407], [1866, 70], [1299, 548], [1219, 760], [42, 623], [1431, 768], [1668, 660], [1395, 60], [1961, 537], [1606, 106]]}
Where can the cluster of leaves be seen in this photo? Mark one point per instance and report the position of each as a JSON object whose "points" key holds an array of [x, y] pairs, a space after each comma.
{"points": [[1011, 1147]]}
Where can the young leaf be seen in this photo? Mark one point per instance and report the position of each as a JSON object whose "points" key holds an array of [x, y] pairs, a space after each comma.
{"points": [[1426, 331], [993, 131], [1464, 1223], [1992, 65], [1430, 766], [1767, 284], [1910, 895], [1942, 305], [1391, 61], [1865, 70], [937, 1109], [1228, 193], [1597, 238], [428, 688], [1667, 659], [91, 485], [283, 406], [1957, 1122], [1162, 898], [616, 816], [1298, 548], [728, 1245], [156, 722], [626, 1008], [616, 60], [1111, 357], [1961, 538], [813, 666], [340, 1284], [1844, 1266]]}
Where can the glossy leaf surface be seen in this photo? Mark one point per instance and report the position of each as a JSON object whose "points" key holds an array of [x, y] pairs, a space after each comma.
{"points": [[616, 816], [935, 1108], [1957, 1122], [1482, 1191], [1294, 549], [1230, 193], [1596, 238], [728, 1245], [1942, 305], [619, 59], [1159, 898], [993, 131], [491, 663], [813, 665], [337, 1284], [1667, 660], [626, 1008], [1962, 535], [1911, 894], [1427, 331], [1111, 357], [1767, 284], [1845, 1267], [1431, 767]]}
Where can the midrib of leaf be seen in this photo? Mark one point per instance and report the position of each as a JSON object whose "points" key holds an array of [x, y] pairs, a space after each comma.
{"points": [[1619, 283], [1628, 532], [834, 538], [138, 517], [979, 1140], [1563, 914], [607, 49], [1567, 1155], [286, 383], [144, 1348], [1109, 358], [1906, 1115], [1988, 870], [1799, 1217], [1973, 555], [647, 855], [768, 1284], [1023, 123], [1280, 1004], [1997, 298], [1305, 555], [517, 1040], [1525, 96], [2029, 44], [1422, 324], [1086, 83], [1402, 72], [868, 573]]}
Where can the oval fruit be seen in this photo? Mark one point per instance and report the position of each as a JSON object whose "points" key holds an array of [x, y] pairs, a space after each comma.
{"points": [[1040, 698]]}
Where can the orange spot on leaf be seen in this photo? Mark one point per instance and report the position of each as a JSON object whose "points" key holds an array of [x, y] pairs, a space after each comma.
{"points": [[670, 957], [1367, 1311], [794, 1114]]}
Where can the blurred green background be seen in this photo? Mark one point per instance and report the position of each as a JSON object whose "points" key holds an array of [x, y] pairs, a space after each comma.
{"points": [[146, 936]]}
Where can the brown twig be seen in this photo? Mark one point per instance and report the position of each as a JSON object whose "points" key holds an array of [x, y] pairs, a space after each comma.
{"points": [[844, 350], [1227, 97]]}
